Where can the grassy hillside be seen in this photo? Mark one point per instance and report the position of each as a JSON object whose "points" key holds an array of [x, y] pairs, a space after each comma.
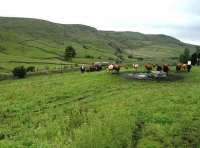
{"points": [[32, 40], [99, 110]]}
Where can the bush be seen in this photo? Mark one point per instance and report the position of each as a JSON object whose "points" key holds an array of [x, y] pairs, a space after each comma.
{"points": [[19, 72], [85, 47], [99, 57], [30, 69], [110, 58], [130, 56], [140, 59], [89, 57]]}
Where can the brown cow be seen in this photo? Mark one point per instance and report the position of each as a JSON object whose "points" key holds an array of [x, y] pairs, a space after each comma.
{"points": [[93, 67], [166, 68], [178, 67], [148, 67], [183, 67]]}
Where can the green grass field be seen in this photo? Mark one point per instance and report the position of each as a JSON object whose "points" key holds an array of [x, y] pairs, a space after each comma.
{"points": [[93, 110], [99, 110]]}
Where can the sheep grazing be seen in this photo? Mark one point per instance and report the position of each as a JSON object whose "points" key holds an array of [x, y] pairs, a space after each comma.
{"points": [[135, 66], [114, 67]]}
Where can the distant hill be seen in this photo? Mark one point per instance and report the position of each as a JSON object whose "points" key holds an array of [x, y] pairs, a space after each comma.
{"points": [[33, 40]]}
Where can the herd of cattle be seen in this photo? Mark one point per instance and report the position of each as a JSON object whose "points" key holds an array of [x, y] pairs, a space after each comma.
{"points": [[149, 67]]}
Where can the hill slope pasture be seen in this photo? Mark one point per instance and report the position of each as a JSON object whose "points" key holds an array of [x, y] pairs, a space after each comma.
{"points": [[99, 110], [42, 43]]}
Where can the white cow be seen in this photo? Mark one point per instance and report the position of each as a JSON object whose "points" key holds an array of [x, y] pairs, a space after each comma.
{"points": [[110, 68], [136, 66]]}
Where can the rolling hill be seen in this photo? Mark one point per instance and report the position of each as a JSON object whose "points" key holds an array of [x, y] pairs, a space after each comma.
{"points": [[39, 42], [99, 109]]}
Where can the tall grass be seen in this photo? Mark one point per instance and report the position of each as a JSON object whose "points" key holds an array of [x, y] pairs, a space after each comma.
{"points": [[99, 110]]}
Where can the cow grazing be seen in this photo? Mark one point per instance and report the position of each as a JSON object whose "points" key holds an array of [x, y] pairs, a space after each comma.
{"points": [[166, 68], [95, 67], [178, 67], [148, 67], [183, 67], [98, 67], [135, 66], [82, 68], [189, 67], [159, 68], [114, 67]]}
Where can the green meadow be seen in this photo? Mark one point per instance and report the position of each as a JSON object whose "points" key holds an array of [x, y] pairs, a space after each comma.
{"points": [[97, 109], [100, 110]]}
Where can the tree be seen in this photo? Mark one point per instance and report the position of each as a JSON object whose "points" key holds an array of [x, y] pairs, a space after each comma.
{"points": [[69, 53], [197, 49], [195, 56], [119, 55], [181, 58], [130, 56], [198, 59], [198, 55], [185, 56]]}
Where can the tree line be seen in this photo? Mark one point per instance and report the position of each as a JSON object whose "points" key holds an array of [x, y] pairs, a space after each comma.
{"points": [[194, 58]]}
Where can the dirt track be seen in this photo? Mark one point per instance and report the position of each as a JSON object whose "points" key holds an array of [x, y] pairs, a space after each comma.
{"points": [[170, 77]]}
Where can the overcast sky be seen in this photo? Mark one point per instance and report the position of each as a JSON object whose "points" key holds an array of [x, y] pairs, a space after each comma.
{"points": [[178, 18]]}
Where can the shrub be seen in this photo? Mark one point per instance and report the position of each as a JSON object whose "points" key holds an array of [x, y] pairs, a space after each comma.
{"points": [[110, 58], [30, 69], [89, 57], [140, 59], [99, 57], [19, 72], [85, 47], [130, 56]]}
